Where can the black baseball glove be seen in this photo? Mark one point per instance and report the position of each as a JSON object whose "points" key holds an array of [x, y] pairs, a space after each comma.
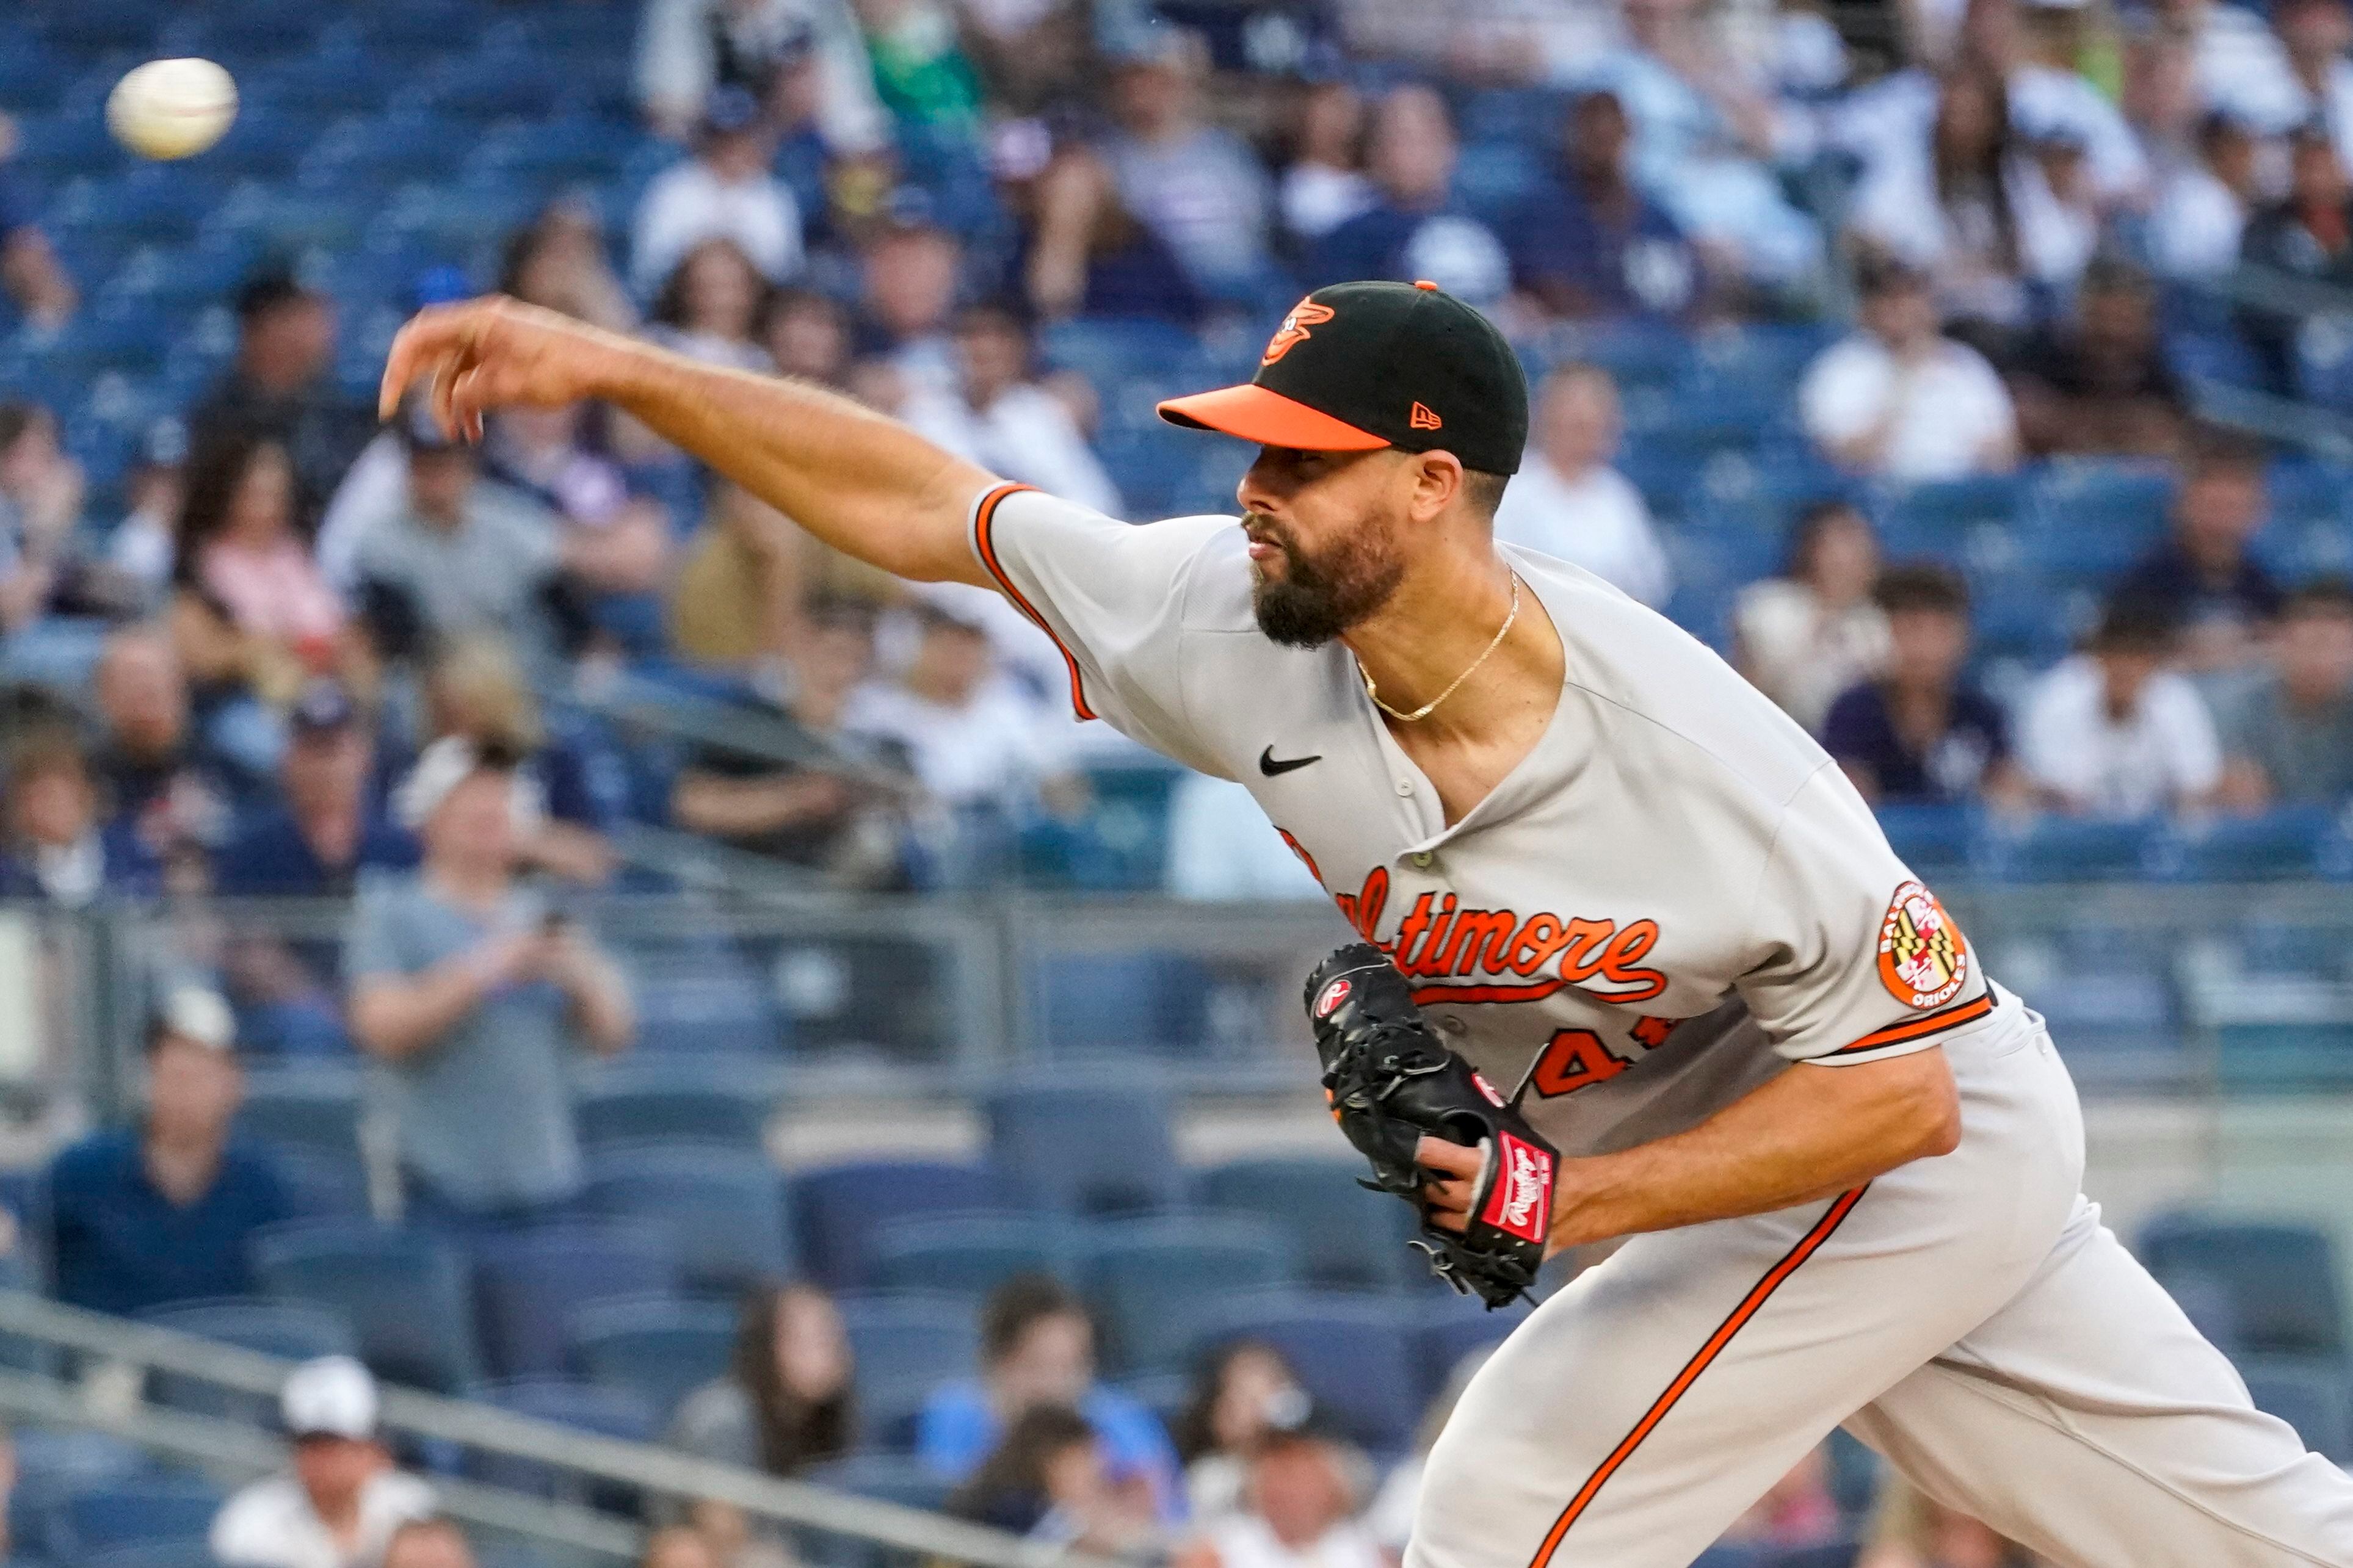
{"points": [[1390, 1081]]}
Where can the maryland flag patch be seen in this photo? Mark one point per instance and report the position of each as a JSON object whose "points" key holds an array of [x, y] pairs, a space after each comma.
{"points": [[1923, 960]]}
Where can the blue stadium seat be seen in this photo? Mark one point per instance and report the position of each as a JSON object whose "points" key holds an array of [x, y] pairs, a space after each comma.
{"points": [[2278, 845], [719, 1209], [672, 1099], [971, 1253], [1736, 1556], [905, 1344], [1111, 351], [2210, 1305], [1353, 1354], [713, 1002], [1086, 1146], [320, 1186], [2284, 1278], [842, 1209], [886, 1477], [295, 1331], [1453, 1327], [2066, 850], [1937, 519], [1341, 1235], [2092, 520], [125, 1512], [300, 1108], [404, 1292], [1138, 1272], [1930, 838], [527, 1288], [2312, 1394], [177, 1551], [98, 26], [600, 1408], [660, 1349]]}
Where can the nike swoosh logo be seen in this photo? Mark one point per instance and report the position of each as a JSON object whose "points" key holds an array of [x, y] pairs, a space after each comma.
{"points": [[1269, 767]]}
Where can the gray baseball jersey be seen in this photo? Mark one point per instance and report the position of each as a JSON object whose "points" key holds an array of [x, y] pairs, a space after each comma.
{"points": [[1673, 896]]}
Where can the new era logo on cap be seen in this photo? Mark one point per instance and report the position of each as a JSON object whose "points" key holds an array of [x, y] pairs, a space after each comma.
{"points": [[1421, 419]]}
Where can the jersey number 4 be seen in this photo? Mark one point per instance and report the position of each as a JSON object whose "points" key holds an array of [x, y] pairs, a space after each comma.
{"points": [[1572, 1059]]}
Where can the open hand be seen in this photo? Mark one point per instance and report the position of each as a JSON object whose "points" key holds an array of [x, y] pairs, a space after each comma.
{"points": [[489, 353]]}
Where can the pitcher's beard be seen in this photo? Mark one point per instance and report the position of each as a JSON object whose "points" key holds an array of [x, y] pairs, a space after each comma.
{"points": [[1319, 597]]}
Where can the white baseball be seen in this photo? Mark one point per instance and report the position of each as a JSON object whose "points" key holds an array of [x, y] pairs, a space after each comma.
{"points": [[172, 109]]}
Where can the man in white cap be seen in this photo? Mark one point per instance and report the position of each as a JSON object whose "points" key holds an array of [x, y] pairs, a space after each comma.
{"points": [[342, 1502], [469, 991], [156, 1213]]}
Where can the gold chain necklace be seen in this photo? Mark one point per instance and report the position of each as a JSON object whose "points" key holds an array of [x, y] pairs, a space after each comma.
{"points": [[1424, 709]]}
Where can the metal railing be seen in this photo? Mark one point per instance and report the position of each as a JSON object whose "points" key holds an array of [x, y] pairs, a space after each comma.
{"points": [[243, 1450]]}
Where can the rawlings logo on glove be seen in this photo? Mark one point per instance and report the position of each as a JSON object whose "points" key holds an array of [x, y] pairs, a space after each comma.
{"points": [[1391, 1081]]}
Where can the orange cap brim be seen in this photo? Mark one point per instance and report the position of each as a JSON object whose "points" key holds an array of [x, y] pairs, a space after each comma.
{"points": [[1254, 413]]}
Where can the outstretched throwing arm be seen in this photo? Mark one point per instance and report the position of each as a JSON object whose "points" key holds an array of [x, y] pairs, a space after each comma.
{"points": [[862, 483]]}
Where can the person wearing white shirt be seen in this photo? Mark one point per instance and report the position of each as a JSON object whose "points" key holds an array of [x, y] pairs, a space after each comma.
{"points": [[996, 417], [973, 734], [1806, 636], [2237, 62], [2316, 33], [686, 47], [2112, 732], [342, 1502], [723, 192], [1300, 1511], [2202, 207], [1566, 502], [1900, 400]]}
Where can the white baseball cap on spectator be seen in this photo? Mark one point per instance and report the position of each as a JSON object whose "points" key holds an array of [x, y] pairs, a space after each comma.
{"points": [[334, 1396], [442, 767], [199, 1013]]}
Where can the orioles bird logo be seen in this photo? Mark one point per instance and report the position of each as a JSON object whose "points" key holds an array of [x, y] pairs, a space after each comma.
{"points": [[1293, 330]]}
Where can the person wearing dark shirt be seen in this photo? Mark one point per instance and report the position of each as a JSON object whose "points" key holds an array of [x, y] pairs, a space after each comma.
{"points": [[2204, 574], [329, 824], [1590, 246], [56, 849], [1921, 734], [2102, 387], [278, 392], [2305, 237], [147, 1216], [1417, 228], [159, 789]]}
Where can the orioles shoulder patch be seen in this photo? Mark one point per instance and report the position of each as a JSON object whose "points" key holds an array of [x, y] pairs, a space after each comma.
{"points": [[1923, 960]]}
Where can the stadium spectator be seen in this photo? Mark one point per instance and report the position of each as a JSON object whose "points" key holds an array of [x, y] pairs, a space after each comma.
{"points": [[30, 272], [1053, 1480], [57, 849], [808, 335], [160, 1212], [1898, 399], [41, 492], [839, 820], [430, 1542], [145, 544], [327, 823], [1299, 1508], [1037, 1352], [1390, 1517], [709, 307], [162, 787], [254, 601], [1221, 848], [998, 416], [1806, 636], [1567, 501], [1324, 183], [1706, 133], [1244, 1396], [2203, 206], [725, 192], [475, 689], [2113, 731], [1796, 1512], [1923, 733], [470, 990], [907, 274], [2307, 236], [1195, 187], [681, 1546], [686, 49], [2315, 35], [2288, 735], [2237, 62], [278, 390], [341, 1500], [2101, 385], [1909, 1530], [1590, 245], [2204, 574], [1419, 226], [787, 1401], [921, 73], [458, 555], [1080, 250], [558, 260], [615, 540]]}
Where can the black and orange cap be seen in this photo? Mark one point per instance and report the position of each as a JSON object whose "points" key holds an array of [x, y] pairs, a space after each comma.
{"points": [[1359, 366]]}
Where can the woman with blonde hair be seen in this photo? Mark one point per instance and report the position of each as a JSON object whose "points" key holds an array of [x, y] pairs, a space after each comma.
{"points": [[475, 687]]}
